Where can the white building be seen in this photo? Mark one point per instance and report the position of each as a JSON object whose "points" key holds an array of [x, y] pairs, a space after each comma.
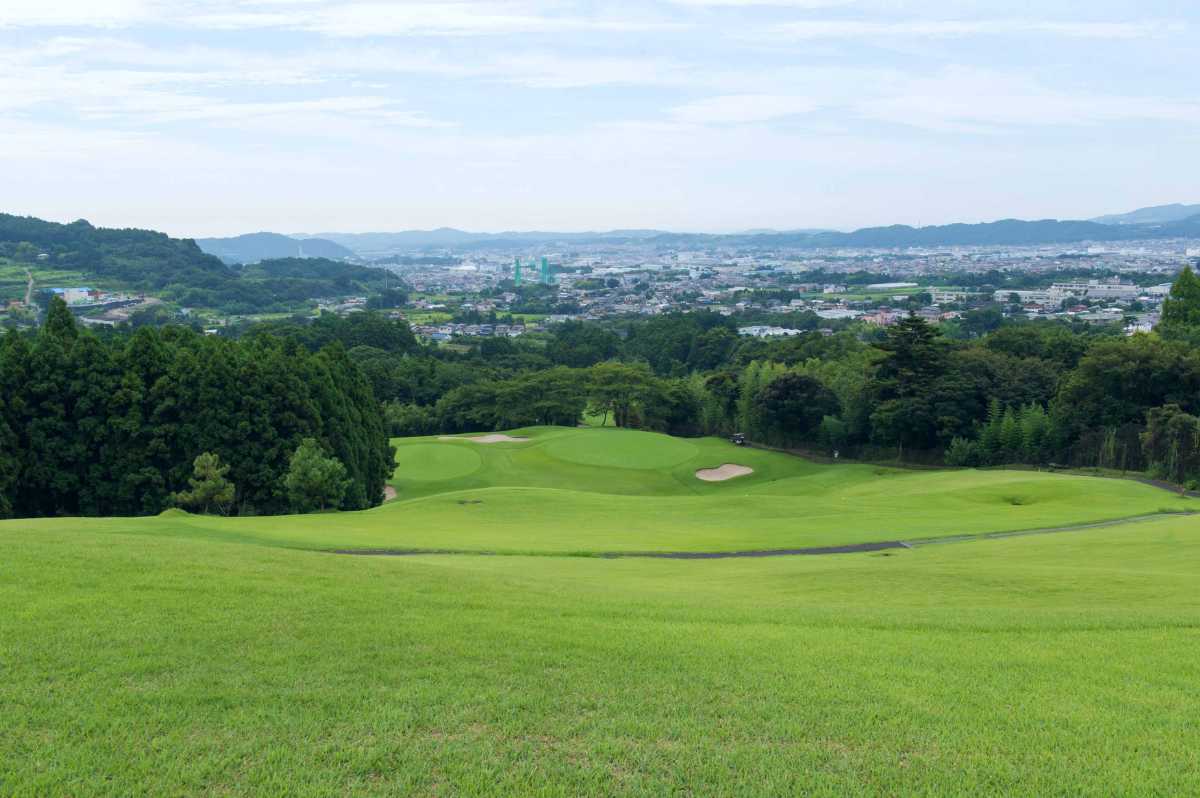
{"points": [[763, 331], [1039, 297], [946, 296], [1091, 289], [838, 313], [1094, 289]]}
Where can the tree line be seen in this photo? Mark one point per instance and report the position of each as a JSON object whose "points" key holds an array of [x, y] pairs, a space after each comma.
{"points": [[1036, 393], [114, 424]]}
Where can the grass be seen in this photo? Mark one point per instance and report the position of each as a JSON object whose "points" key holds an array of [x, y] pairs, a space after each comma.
{"points": [[595, 491], [433, 462], [432, 317], [13, 279], [183, 656]]}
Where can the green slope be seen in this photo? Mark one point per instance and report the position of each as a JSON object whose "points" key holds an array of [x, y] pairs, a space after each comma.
{"points": [[156, 665], [550, 495]]}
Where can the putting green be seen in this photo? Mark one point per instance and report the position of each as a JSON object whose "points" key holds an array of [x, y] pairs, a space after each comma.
{"points": [[430, 462], [622, 449]]}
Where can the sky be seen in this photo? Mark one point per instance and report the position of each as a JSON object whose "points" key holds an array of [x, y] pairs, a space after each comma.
{"points": [[219, 117]]}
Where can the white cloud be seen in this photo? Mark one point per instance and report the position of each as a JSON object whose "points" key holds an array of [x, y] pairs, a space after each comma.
{"points": [[803, 4], [971, 100], [841, 29], [742, 108], [335, 18], [73, 13], [512, 113], [445, 18]]}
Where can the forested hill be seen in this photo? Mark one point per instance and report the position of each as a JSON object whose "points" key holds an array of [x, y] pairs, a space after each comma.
{"points": [[177, 270], [142, 259], [255, 247]]}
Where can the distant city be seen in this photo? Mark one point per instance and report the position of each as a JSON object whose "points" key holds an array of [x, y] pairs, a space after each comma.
{"points": [[457, 284]]}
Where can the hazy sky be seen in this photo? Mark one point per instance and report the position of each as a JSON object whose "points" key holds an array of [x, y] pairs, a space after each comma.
{"points": [[207, 117]]}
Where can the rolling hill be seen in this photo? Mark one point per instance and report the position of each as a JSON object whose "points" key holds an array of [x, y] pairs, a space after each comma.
{"points": [[258, 662], [1158, 214], [255, 247], [176, 269]]}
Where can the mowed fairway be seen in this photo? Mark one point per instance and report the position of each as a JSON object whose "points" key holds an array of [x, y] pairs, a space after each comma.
{"points": [[184, 656], [597, 491]]}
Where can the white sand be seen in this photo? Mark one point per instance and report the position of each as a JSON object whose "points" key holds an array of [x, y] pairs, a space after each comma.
{"points": [[727, 471], [495, 438], [389, 493]]}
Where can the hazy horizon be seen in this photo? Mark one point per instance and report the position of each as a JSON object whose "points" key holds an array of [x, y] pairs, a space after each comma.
{"points": [[235, 116]]}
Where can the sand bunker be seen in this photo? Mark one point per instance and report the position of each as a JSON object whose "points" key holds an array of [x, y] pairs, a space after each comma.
{"points": [[389, 493], [485, 439], [727, 471]]}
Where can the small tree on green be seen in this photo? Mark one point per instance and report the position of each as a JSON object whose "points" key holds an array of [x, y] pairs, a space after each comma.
{"points": [[314, 481], [210, 489]]}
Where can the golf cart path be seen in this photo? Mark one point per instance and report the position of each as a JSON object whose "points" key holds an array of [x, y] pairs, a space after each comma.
{"points": [[852, 548]]}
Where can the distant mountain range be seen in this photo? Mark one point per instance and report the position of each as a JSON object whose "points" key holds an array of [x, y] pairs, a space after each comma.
{"points": [[449, 238], [1158, 214], [255, 247], [1007, 232]]}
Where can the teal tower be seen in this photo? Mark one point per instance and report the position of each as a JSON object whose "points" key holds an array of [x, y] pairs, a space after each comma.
{"points": [[517, 273], [545, 272]]}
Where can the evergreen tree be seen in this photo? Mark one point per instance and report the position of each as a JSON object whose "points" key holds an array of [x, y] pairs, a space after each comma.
{"points": [[51, 482], [60, 322], [210, 490], [9, 464], [905, 385], [1181, 309], [314, 481], [111, 425]]}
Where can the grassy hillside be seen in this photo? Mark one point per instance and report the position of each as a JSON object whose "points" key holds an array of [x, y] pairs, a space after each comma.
{"points": [[553, 494], [156, 665], [186, 655]]}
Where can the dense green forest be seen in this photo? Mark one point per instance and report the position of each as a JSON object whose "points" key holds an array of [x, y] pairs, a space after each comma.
{"points": [[1020, 392], [177, 270], [114, 424]]}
